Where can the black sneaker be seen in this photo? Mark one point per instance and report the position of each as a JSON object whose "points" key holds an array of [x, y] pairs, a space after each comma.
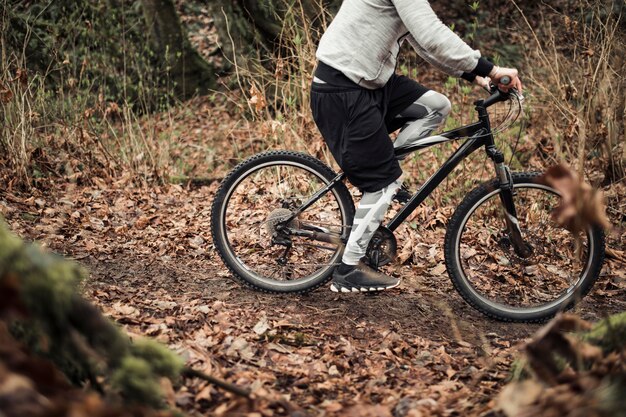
{"points": [[362, 279], [403, 194]]}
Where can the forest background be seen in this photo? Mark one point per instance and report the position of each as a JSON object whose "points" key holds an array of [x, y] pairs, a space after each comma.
{"points": [[120, 118]]}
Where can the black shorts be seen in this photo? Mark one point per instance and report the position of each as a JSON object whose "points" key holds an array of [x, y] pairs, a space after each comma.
{"points": [[355, 123]]}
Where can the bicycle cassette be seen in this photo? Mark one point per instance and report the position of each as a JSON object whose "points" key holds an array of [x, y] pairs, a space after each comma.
{"points": [[278, 216], [382, 248]]}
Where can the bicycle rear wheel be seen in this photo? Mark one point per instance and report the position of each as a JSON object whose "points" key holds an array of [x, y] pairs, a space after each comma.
{"points": [[491, 277], [249, 214]]}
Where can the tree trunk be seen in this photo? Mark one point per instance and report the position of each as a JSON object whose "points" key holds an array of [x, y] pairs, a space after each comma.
{"points": [[186, 69], [246, 27]]}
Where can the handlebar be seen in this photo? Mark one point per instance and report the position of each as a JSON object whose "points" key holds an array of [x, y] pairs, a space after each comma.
{"points": [[497, 95]]}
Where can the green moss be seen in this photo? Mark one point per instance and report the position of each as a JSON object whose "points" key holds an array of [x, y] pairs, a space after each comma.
{"points": [[299, 339], [136, 382], [163, 361], [519, 370], [9, 244], [47, 282], [73, 365], [63, 327], [609, 334], [612, 396]]}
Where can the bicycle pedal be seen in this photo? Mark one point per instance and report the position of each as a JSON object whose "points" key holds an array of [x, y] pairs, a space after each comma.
{"points": [[403, 195]]}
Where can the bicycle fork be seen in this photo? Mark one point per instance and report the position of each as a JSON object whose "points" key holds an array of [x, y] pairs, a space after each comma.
{"points": [[507, 191]]}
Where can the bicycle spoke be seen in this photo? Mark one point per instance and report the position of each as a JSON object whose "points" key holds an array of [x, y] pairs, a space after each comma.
{"points": [[499, 274], [265, 199]]}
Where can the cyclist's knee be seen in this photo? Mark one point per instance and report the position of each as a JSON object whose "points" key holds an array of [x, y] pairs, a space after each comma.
{"points": [[446, 106], [436, 102]]}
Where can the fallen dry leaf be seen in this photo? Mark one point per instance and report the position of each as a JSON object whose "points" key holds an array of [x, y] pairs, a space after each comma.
{"points": [[580, 205]]}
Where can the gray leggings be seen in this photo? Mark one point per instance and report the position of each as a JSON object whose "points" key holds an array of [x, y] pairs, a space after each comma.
{"points": [[431, 110]]}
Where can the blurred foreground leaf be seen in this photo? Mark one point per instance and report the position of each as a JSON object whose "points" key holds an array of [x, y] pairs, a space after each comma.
{"points": [[574, 369], [581, 205]]}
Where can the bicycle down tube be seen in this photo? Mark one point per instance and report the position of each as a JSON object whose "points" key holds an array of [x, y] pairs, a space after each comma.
{"points": [[480, 138]]}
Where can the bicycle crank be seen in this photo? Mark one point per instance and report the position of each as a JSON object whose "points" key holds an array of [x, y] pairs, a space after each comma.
{"points": [[382, 249]]}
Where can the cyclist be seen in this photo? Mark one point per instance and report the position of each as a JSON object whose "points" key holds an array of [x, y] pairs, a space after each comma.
{"points": [[357, 99]]}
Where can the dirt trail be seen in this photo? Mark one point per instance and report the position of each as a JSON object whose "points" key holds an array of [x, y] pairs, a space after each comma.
{"points": [[153, 269]]}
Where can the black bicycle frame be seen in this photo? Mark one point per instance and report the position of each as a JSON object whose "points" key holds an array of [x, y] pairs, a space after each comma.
{"points": [[478, 135]]}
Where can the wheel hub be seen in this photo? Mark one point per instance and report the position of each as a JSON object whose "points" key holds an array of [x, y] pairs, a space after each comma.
{"points": [[505, 244]]}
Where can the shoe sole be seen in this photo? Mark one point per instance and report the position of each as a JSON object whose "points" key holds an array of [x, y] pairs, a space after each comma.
{"points": [[340, 288]]}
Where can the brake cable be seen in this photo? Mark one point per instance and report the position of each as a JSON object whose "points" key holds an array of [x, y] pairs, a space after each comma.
{"points": [[521, 128]]}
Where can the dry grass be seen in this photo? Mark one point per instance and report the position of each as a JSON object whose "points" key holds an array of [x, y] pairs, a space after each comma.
{"points": [[578, 73], [61, 121], [277, 92], [80, 131], [68, 134]]}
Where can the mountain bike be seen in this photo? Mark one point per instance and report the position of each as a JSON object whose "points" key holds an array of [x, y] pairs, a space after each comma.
{"points": [[280, 220]]}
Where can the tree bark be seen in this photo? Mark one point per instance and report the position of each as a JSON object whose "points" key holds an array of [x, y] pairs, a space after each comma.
{"points": [[185, 67], [246, 27]]}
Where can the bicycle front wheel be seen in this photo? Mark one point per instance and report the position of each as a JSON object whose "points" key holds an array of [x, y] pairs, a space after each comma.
{"points": [[491, 277], [251, 227]]}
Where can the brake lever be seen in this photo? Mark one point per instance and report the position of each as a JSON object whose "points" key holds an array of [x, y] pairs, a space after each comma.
{"points": [[517, 94]]}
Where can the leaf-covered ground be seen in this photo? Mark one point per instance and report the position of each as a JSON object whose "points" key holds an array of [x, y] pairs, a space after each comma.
{"points": [[417, 350]]}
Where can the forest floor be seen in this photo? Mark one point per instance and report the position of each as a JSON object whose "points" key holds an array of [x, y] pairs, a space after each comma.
{"points": [[152, 267], [418, 350]]}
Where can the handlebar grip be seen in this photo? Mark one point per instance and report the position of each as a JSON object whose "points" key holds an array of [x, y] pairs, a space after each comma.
{"points": [[506, 80]]}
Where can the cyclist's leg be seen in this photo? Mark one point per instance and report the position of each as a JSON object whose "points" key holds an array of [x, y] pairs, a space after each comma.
{"points": [[352, 124], [432, 107], [414, 107], [430, 110], [400, 95], [369, 214], [363, 149], [401, 92]]}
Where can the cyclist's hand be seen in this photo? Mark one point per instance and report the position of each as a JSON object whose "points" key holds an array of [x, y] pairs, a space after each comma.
{"points": [[482, 82], [498, 72]]}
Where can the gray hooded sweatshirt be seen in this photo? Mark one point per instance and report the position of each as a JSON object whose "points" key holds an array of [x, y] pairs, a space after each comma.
{"points": [[364, 39]]}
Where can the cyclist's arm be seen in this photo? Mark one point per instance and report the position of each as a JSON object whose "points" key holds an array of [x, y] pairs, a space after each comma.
{"points": [[437, 43], [442, 66]]}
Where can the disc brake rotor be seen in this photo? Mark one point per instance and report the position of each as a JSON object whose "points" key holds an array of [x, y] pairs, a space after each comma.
{"points": [[505, 244]]}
